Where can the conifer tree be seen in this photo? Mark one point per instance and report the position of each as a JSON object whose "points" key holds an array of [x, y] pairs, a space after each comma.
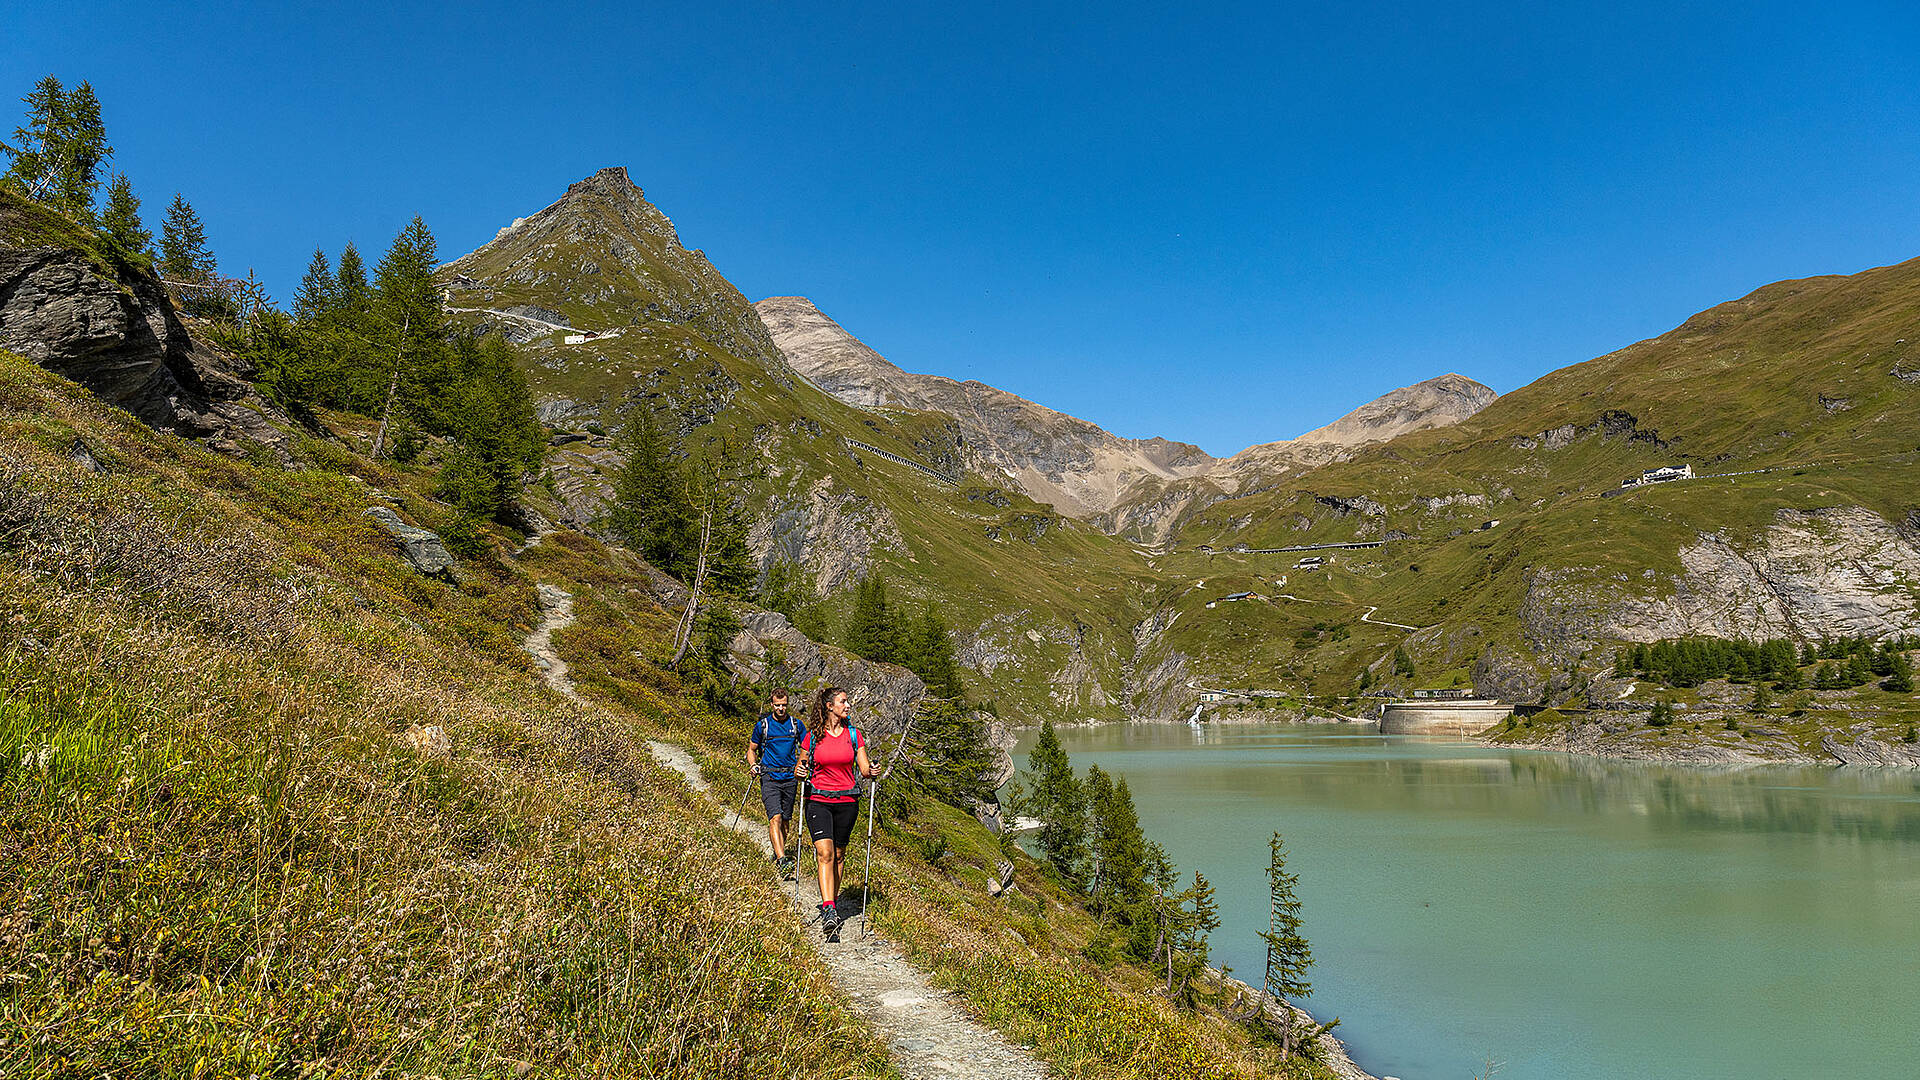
{"points": [[120, 221], [929, 653], [56, 155], [652, 512], [354, 291], [34, 155], [412, 338], [1058, 800], [319, 293], [498, 438], [1121, 847], [872, 628], [784, 589], [83, 151], [1899, 675], [186, 263], [1195, 916], [1288, 954]]}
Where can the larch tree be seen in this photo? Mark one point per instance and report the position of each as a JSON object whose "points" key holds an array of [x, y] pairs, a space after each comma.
{"points": [[55, 156], [1288, 954]]}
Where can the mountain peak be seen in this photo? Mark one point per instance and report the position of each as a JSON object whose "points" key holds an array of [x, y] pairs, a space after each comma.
{"points": [[603, 257]]}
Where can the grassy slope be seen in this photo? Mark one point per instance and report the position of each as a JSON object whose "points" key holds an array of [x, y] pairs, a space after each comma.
{"points": [[680, 352], [1737, 387], [221, 858]]}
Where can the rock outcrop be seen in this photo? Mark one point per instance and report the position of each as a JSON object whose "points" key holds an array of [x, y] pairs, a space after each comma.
{"points": [[1872, 752], [112, 329], [422, 547], [884, 696], [1829, 572]]}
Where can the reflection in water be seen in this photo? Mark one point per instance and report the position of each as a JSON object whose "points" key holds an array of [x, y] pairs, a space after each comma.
{"points": [[1573, 917]]}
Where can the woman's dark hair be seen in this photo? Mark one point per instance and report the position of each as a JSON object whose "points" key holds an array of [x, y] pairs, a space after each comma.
{"points": [[817, 712]]}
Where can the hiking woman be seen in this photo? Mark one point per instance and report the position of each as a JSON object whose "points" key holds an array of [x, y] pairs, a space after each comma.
{"points": [[831, 752]]}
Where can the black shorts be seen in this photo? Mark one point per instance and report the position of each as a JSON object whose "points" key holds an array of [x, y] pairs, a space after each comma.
{"points": [[777, 796], [832, 819]]}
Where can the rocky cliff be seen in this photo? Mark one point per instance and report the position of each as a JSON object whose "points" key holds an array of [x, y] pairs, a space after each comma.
{"points": [[106, 323], [1827, 572]]}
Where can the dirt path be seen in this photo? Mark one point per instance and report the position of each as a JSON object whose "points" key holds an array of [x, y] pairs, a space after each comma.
{"points": [[930, 1037], [1368, 618], [556, 608]]}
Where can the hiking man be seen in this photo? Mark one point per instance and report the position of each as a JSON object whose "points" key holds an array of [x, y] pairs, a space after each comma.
{"points": [[770, 752]]}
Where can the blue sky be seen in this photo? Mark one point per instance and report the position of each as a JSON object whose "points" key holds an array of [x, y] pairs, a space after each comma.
{"points": [[1225, 227]]}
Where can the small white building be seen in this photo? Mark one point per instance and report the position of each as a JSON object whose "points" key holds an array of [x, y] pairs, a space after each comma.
{"points": [[1661, 475]]}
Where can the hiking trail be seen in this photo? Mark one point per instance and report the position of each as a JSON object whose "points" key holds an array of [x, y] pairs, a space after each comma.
{"points": [[927, 1032]]}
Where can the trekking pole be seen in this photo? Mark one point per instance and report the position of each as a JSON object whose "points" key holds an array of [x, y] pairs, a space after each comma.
{"points": [[866, 875], [742, 812], [799, 834]]}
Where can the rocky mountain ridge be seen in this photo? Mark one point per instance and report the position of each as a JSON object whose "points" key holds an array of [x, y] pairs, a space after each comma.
{"points": [[1080, 469]]}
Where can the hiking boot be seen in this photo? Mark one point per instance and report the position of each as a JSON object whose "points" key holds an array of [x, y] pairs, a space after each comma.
{"points": [[826, 913], [830, 922], [785, 865]]}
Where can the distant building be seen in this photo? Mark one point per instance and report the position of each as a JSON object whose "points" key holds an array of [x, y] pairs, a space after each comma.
{"points": [[1311, 562], [1661, 475], [1459, 693]]}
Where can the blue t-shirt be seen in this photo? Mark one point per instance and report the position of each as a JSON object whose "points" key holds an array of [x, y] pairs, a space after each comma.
{"points": [[778, 741]]}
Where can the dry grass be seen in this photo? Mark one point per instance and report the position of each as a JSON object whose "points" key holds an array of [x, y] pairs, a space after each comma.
{"points": [[217, 858]]}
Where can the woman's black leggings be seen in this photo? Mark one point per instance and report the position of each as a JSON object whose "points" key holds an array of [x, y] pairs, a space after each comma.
{"points": [[832, 819]]}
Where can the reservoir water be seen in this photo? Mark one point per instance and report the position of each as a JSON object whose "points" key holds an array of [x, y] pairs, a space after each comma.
{"points": [[1567, 917]]}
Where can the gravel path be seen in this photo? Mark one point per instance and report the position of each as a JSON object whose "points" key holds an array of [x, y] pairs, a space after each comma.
{"points": [[556, 608], [929, 1035]]}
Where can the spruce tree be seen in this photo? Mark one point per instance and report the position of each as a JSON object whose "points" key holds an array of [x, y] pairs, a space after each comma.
{"points": [[411, 335], [1197, 915], [1899, 675], [187, 265], [652, 512], [83, 151], [120, 221], [354, 291], [1121, 847], [1055, 797], [498, 438], [929, 653], [1288, 954], [37, 144], [784, 589], [872, 628], [319, 293]]}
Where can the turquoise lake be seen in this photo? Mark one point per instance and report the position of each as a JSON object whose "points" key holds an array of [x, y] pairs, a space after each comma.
{"points": [[1565, 917]]}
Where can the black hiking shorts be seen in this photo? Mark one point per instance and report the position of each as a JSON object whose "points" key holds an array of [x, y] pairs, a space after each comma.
{"points": [[832, 819], [777, 796]]}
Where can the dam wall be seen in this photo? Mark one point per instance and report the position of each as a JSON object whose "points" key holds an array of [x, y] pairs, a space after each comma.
{"points": [[1441, 717]]}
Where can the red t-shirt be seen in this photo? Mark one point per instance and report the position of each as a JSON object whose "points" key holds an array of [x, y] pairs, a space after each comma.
{"points": [[834, 765]]}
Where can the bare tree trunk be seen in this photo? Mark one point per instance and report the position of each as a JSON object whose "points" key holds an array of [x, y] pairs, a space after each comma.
{"points": [[393, 386], [683, 634]]}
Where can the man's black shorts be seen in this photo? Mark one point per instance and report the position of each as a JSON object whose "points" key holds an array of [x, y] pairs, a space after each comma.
{"points": [[777, 796], [833, 819]]}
